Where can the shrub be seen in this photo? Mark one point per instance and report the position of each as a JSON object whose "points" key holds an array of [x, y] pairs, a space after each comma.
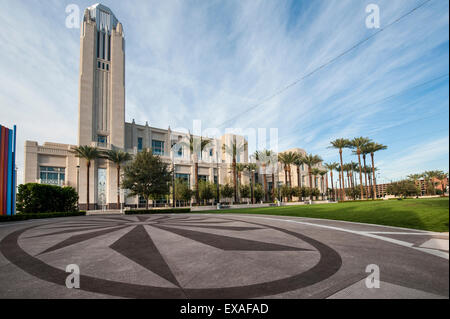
{"points": [[22, 216], [258, 192], [35, 198], [158, 211]]}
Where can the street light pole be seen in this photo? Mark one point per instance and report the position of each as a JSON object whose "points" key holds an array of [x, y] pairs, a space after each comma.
{"points": [[78, 186], [253, 186], [218, 180], [173, 178]]}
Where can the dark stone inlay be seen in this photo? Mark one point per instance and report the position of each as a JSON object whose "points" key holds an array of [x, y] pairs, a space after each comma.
{"points": [[138, 246], [329, 263], [234, 228], [143, 218], [228, 243], [69, 231], [80, 238]]}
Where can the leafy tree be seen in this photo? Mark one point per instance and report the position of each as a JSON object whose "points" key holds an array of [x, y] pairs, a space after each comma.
{"points": [[147, 176], [226, 191], [286, 191], [259, 192], [245, 191], [182, 191], [207, 190], [403, 188]]}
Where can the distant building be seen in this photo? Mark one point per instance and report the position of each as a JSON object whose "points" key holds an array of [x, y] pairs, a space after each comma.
{"points": [[101, 123]]}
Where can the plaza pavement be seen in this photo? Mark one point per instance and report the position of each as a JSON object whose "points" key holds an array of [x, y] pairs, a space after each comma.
{"points": [[219, 256]]}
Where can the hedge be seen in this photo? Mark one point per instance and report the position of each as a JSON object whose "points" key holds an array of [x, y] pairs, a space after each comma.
{"points": [[21, 216], [158, 211], [35, 198]]}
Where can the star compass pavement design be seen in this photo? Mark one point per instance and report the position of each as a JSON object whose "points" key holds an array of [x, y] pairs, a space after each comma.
{"points": [[172, 256]]}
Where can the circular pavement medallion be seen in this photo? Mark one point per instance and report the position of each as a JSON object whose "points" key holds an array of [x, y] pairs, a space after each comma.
{"points": [[176, 256]]}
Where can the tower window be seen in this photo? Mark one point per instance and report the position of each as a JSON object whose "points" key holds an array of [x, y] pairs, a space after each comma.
{"points": [[102, 140], [99, 64], [103, 66], [107, 67]]}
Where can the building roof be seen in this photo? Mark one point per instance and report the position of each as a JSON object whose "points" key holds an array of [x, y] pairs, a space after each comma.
{"points": [[104, 17]]}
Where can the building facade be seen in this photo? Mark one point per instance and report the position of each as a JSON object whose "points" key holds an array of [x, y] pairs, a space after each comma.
{"points": [[101, 123]]}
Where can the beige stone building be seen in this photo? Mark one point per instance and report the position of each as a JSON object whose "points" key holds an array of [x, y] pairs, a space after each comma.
{"points": [[101, 123]]}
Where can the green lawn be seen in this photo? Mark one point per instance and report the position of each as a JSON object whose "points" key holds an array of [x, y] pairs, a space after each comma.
{"points": [[425, 214]]}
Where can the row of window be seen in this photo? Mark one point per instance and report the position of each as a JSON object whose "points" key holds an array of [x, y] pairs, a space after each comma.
{"points": [[103, 65], [52, 175], [103, 46]]}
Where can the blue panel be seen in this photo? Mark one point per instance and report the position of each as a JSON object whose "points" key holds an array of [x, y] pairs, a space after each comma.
{"points": [[9, 175], [14, 179]]}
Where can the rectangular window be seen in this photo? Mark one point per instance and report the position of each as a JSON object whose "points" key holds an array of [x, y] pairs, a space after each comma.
{"points": [[107, 67], [103, 66], [109, 47], [211, 152], [52, 175], [102, 140], [139, 143], [203, 178], [99, 64], [184, 177], [104, 46], [158, 147], [98, 44]]}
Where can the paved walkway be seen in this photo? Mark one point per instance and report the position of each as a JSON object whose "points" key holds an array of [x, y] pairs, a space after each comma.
{"points": [[219, 256]]}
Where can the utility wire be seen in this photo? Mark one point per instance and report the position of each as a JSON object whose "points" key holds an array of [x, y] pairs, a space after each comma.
{"points": [[324, 65]]}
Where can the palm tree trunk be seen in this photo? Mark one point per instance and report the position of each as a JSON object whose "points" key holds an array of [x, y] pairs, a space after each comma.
{"points": [[332, 185], [360, 174], [273, 185], [265, 183], [235, 179], [375, 195], [197, 198], [310, 182], [365, 176], [118, 186], [298, 176], [290, 176], [87, 186], [342, 174]]}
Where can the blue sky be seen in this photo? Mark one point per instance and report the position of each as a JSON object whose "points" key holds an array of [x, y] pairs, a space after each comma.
{"points": [[211, 60]]}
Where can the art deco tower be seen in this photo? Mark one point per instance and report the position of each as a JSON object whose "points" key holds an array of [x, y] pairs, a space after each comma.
{"points": [[101, 111]]}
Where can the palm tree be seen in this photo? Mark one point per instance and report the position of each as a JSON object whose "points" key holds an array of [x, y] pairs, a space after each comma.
{"points": [[240, 168], [118, 157], [332, 167], [251, 168], [322, 173], [311, 160], [88, 153], [340, 144], [288, 159], [358, 143], [233, 150], [365, 150], [373, 148], [265, 158], [196, 146], [299, 161]]}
